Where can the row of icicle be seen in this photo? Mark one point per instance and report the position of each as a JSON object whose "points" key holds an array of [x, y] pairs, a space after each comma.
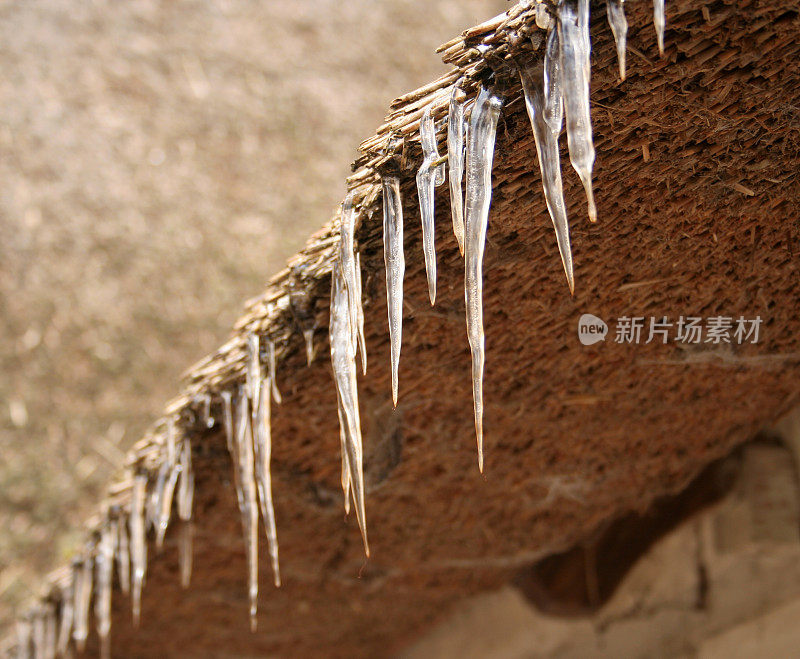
{"points": [[555, 90], [53, 625]]}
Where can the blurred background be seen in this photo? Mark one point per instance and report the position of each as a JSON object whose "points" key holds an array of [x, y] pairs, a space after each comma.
{"points": [[159, 160]]}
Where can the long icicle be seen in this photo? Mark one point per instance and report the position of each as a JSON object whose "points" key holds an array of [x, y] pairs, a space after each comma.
{"points": [[573, 33], [138, 542], [615, 9], [263, 456], [480, 155], [659, 21], [455, 160], [352, 278], [430, 174], [536, 83], [395, 261], [244, 441], [344, 371]]}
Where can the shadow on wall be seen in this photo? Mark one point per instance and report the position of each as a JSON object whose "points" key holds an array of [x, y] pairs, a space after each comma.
{"points": [[713, 571]]}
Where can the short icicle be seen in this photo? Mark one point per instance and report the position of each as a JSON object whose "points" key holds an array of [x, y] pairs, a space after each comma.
{"points": [[167, 491], [253, 368], [244, 441], [344, 371], [66, 616], [263, 455], [24, 639], [541, 105], [104, 565], [123, 554], [50, 631], [430, 174], [615, 9], [659, 21], [573, 34], [138, 542], [395, 262], [455, 160], [83, 597], [272, 365], [480, 155], [308, 337], [185, 501]]}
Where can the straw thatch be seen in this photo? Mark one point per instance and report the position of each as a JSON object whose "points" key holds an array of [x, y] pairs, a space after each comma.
{"points": [[696, 186]]}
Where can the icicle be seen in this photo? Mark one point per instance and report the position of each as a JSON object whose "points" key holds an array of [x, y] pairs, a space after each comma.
{"points": [[483, 126], [104, 564], [301, 304], [395, 262], [138, 542], [271, 360], [345, 463], [24, 638], [185, 553], [308, 336], [49, 631], [573, 33], [253, 369], [430, 174], [659, 21], [167, 479], [350, 269], [37, 626], [185, 500], [66, 617], [232, 447], [206, 418], [186, 483], [540, 106], [615, 9], [228, 416], [123, 555], [263, 455], [244, 442], [362, 342], [83, 597], [455, 161], [344, 370], [172, 454]]}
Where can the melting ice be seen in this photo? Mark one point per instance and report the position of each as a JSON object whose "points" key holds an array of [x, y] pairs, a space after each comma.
{"points": [[480, 154], [344, 371], [573, 34], [395, 262], [541, 87], [615, 9], [430, 174], [455, 160]]}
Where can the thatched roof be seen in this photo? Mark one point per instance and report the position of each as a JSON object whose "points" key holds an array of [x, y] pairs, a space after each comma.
{"points": [[696, 187]]}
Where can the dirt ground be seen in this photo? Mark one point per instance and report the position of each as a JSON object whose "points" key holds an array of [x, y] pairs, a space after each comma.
{"points": [[158, 162]]}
